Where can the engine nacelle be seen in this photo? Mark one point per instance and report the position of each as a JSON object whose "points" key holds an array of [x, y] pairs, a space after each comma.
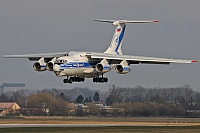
{"points": [[122, 69], [103, 66], [40, 65], [50, 64]]}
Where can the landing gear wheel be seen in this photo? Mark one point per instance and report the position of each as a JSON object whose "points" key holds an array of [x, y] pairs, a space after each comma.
{"points": [[100, 80], [65, 80], [70, 81]]}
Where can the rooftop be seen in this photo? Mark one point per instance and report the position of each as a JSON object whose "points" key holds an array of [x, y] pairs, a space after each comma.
{"points": [[6, 105], [12, 85]]}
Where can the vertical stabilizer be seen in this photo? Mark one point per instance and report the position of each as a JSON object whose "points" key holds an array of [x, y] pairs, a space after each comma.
{"points": [[116, 43]]}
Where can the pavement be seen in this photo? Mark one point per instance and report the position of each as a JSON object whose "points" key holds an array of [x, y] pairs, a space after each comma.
{"points": [[84, 125], [57, 125]]}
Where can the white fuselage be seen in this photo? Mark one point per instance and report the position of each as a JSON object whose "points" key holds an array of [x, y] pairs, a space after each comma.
{"points": [[76, 64]]}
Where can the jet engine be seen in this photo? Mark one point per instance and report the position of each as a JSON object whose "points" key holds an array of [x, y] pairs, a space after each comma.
{"points": [[103, 66], [40, 65], [50, 64], [123, 68]]}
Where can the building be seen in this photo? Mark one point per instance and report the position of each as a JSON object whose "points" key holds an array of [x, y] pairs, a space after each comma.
{"points": [[8, 108], [5, 87], [33, 111], [1, 90]]}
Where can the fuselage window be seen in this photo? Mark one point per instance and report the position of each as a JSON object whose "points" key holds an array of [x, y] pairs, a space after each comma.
{"points": [[60, 61]]}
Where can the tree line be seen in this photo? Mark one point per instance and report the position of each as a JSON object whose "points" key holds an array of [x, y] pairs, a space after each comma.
{"points": [[178, 95], [117, 101]]}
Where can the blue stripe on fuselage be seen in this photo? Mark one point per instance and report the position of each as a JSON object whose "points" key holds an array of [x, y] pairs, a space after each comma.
{"points": [[72, 65]]}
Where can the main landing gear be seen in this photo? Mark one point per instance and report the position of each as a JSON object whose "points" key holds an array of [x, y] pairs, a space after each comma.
{"points": [[73, 79], [100, 79], [70, 80]]}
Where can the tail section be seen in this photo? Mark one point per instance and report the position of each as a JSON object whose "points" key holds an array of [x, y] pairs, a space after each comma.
{"points": [[116, 43]]}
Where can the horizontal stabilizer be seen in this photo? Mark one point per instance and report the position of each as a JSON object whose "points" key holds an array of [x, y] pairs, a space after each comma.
{"points": [[116, 22]]}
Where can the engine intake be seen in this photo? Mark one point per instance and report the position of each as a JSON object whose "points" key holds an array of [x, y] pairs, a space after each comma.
{"points": [[40, 65], [102, 68], [50, 66], [122, 69]]}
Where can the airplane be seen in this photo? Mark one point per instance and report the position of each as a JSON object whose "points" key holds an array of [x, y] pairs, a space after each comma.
{"points": [[77, 66]]}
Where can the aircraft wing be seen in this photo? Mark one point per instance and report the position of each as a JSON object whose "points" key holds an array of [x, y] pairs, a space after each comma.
{"points": [[35, 57], [138, 59]]}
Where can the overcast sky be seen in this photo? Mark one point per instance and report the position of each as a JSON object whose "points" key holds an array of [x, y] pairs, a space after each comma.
{"points": [[39, 26]]}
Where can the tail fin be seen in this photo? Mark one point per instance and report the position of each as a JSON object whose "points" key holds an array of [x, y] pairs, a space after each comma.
{"points": [[116, 43]]}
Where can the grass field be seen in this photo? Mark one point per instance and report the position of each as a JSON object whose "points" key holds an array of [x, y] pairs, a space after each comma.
{"points": [[124, 129], [125, 125], [101, 120]]}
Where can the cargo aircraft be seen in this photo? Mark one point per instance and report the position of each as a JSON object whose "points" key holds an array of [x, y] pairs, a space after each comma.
{"points": [[76, 66]]}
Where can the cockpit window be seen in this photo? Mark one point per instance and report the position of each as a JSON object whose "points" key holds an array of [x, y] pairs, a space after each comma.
{"points": [[60, 61]]}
